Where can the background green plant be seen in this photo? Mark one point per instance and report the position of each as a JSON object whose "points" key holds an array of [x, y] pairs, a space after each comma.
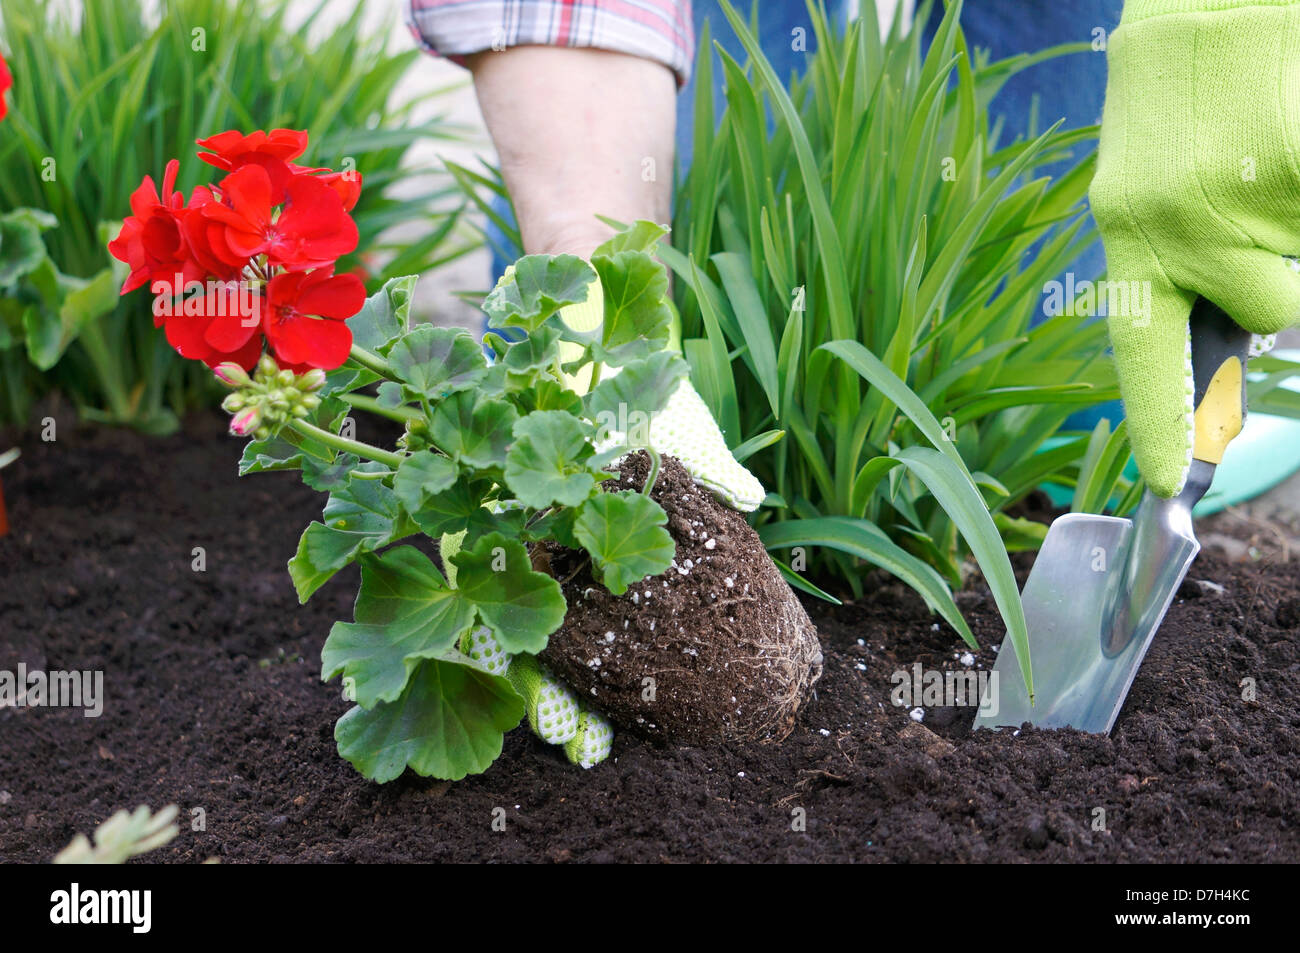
{"points": [[100, 101], [860, 257]]}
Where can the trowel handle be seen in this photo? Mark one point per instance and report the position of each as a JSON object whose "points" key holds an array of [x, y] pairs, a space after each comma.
{"points": [[1220, 349]]}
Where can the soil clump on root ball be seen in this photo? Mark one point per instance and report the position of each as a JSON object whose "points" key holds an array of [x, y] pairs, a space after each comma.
{"points": [[715, 649]]}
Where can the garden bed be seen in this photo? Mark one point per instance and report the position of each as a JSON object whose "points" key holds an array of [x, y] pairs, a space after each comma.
{"points": [[214, 702]]}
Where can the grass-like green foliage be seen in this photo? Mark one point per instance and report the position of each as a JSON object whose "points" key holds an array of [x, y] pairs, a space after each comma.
{"points": [[859, 258], [118, 90], [495, 458]]}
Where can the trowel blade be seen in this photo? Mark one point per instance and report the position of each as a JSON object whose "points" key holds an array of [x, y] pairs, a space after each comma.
{"points": [[1093, 601]]}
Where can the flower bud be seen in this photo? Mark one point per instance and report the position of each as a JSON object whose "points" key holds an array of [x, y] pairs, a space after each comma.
{"points": [[309, 401], [314, 379], [234, 403], [232, 375], [266, 367], [284, 378], [245, 422]]}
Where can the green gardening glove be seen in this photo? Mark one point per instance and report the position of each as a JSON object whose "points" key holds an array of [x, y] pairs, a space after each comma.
{"points": [[1197, 194]]}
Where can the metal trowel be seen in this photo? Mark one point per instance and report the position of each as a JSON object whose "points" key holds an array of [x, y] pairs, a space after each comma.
{"points": [[1101, 585]]}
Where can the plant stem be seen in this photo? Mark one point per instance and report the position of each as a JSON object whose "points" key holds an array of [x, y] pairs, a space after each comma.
{"points": [[655, 463], [596, 367], [369, 451], [371, 404], [108, 367], [371, 361]]}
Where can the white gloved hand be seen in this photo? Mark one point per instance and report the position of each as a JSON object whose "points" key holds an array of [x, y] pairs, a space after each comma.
{"points": [[684, 428]]}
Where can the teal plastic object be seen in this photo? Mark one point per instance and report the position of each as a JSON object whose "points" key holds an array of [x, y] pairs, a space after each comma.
{"points": [[1265, 453]]}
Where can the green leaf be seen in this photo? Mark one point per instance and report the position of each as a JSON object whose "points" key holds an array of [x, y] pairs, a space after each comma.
{"points": [[550, 395], [535, 352], [472, 428], [450, 721], [436, 361], [328, 477], [756, 443], [405, 612], [359, 518], [867, 541], [752, 318], [643, 386], [624, 533], [642, 235], [556, 525], [637, 316], [460, 508], [345, 379], [49, 333], [21, 246], [873, 370], [546, 463], [1020, 534], [951, 486], [521, 606], [422, 475], [384, 316], [537, 288]]}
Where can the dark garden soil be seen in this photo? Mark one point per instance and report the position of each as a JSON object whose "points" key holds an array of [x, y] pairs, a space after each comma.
{"points": [[214, 702]]}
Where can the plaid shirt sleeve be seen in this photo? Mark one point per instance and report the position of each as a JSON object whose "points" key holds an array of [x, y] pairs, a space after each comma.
{"points": [[658, 30]]}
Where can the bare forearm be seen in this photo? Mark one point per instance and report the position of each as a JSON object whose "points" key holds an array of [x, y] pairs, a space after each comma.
{"points": [[579, 133]]}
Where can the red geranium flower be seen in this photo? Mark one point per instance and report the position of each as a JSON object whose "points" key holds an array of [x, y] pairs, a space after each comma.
{"points": [[151, 241], [346, 184], [200, 234], [6, 81], [267, 238], [220, 325], [312, 231], [305, 314], [232, 150]]}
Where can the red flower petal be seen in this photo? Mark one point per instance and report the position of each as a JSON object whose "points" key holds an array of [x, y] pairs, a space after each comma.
{"points": [[347, 185], [246, 357], [313, 229], [248, 191], [340, 297], [313, 341], [6, 81], [234, 318], [185, 332]]}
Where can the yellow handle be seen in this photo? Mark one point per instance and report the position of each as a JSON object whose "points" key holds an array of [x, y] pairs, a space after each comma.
{"points": [[1219, 417]]}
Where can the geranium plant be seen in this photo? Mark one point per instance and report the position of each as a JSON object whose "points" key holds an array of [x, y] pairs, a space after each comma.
{"points": [[497, 456], [100, 88]]}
